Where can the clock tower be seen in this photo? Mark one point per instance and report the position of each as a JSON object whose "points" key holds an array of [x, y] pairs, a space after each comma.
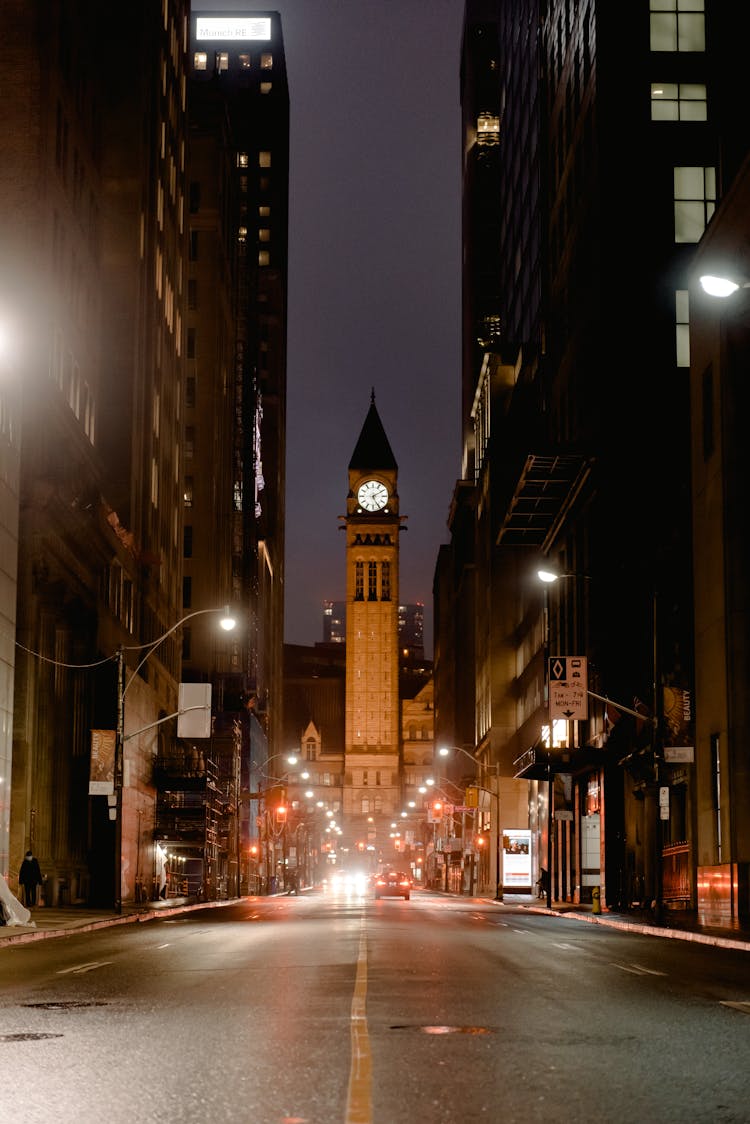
{"points": [[372, 782]]}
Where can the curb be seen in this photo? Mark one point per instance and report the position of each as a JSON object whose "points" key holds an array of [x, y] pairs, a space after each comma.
{"points": [[28, 935], [644, 928]]}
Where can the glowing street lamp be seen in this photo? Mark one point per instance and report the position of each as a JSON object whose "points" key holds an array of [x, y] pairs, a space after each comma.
{"points": [[721, 287]]}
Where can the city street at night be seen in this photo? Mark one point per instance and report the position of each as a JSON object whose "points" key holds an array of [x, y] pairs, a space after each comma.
{"points": [[325, 1008]]}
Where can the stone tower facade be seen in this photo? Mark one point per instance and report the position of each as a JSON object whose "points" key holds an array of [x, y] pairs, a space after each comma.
{"points": [[372, 784]]}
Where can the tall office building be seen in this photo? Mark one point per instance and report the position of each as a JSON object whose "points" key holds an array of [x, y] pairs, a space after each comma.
{"points": [[148, 307], [94, 238], [334, 622], [235, 409], [576, 415]]}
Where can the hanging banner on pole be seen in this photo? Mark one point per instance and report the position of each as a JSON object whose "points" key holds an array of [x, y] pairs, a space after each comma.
{"points": [[102, 768], [568, 688]]}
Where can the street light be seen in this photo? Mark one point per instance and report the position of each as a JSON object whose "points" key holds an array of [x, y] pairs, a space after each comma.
{"points": [[227, 623], [445, 751], [721, 287]]}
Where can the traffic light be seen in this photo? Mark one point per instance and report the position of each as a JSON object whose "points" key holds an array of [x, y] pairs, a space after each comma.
{"points": [[281, 811], [437, 810]]}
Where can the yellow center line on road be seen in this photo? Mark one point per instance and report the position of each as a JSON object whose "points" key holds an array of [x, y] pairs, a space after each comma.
{"points": [[359, 1099]]}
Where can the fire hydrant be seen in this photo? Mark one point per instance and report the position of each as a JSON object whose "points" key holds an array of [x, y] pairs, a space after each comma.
{"points": [[596, 900]]}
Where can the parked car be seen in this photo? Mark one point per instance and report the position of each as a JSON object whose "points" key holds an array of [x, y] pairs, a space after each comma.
{"points": [[393, 884]]}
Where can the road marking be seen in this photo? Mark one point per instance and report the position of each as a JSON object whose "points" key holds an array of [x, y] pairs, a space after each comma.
{"points": [[637, 970], [359, 1099], [568, 947], [83, 967]]}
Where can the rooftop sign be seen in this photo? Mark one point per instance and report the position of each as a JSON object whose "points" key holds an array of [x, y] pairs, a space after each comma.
{"points": [[233, 27]]}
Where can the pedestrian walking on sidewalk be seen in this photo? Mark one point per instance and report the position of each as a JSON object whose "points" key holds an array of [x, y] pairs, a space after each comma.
{"points": [[30, 876]]}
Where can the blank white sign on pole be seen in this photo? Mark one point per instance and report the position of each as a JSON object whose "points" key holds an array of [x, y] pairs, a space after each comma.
{"points": [[194, 711]]}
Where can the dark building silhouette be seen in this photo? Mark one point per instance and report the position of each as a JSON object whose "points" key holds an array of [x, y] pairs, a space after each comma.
{"points": [[576, 418], [146, 284]]}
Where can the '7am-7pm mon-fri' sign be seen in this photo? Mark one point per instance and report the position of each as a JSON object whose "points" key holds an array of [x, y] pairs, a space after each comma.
{"points": [[568, 687]]}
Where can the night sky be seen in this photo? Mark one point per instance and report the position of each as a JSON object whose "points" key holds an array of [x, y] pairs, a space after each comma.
{"points": [[374, 276]]}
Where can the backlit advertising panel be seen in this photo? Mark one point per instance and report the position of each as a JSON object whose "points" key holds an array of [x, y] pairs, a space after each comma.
{"points": [[517, 859]]}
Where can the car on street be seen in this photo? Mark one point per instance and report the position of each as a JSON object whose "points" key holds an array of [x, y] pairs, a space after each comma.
{"points": [[393, 884]]}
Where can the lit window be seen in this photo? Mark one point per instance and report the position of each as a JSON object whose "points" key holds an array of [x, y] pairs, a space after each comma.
{"points": [[222, 61], [264, 159], [242, 161], [673, 102], [264, 234], [200, 60], [244, 62], [682, 327], [694, 202], [264, 212], [187, 492], [677, 25], [266, 62], [264, 258], [488, 129], [242, 234], [265, 87]]}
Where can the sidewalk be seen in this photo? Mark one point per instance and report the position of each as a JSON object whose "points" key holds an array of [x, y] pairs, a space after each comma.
{"points": [[50, 922], [675, 924]]}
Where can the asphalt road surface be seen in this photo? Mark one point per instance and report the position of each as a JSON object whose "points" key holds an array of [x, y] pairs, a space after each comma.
{"points": [[325, 1009]]}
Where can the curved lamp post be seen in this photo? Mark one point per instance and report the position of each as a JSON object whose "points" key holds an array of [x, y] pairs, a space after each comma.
{"points": [[227, 623], [445, 751]]}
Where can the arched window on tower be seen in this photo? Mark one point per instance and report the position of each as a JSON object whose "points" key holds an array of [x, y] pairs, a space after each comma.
{"points": [[359, 581], [372, 581], [385, 581]]}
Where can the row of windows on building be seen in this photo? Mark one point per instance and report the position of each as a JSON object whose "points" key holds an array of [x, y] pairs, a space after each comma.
{"points": [[378, 581], [243, 62]]}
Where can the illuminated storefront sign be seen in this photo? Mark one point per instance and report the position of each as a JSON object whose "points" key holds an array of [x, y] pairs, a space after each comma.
{"points": [[232, 27]]}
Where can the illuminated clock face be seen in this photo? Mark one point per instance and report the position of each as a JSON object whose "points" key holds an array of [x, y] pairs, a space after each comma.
{"points": [[372, 495]]}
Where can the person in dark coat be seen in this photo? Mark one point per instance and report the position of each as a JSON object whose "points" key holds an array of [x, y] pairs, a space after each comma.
{"points": [[30, 876]]}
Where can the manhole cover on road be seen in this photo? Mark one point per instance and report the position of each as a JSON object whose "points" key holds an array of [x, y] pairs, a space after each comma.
{"points": [[26, 1037], [449, 1029], [51, 1005]]}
